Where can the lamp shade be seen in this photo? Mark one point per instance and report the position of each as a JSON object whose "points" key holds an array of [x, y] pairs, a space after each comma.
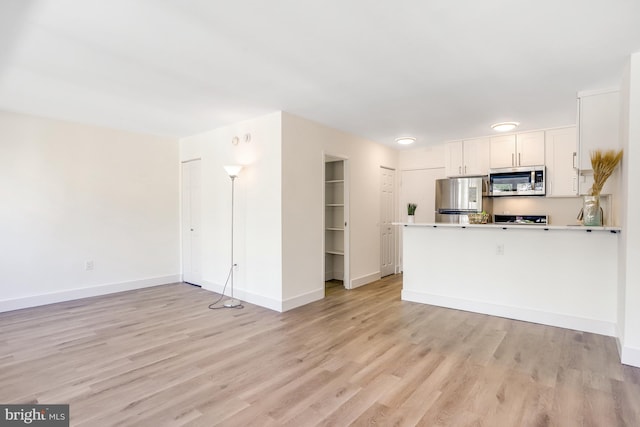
{"points": [[233, 170]]}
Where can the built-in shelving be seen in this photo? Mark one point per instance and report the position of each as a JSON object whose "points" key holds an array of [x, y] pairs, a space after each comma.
{"points": [[334, 239], [335, 253]]}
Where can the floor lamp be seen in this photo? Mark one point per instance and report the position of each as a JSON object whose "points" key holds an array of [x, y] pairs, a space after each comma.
{"points": [[233, 171]]}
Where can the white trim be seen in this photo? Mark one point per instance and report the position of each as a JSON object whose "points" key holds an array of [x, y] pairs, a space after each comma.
{"points": [[364, 280], [243, 295], [594, 92], [73, 294], [618, 342], [630, 356], [518, 313], [302, 299], [191, 160]]}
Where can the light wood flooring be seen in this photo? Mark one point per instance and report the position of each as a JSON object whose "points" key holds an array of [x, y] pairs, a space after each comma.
{"points": [[158, 356]]}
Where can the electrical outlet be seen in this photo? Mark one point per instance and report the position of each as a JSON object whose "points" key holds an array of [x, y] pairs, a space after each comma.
{"points": [[88, 265], [500, 249]]}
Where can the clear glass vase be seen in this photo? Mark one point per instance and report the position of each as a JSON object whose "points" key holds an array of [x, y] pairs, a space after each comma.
{"points": [[591, 211]]}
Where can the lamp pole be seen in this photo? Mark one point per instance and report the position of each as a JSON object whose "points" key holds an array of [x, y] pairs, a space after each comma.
{"points": [[232, 302]]}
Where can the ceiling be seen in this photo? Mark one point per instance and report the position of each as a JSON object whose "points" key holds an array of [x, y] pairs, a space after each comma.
{"points": [[436, 70]]}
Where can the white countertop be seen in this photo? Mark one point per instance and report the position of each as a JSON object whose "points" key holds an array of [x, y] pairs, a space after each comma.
{"points": [[515, 226]]}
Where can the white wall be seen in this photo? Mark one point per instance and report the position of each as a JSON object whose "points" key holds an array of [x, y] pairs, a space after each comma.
{"points": [[420, 168], [303, 145], [629, 269], [422, 158], [73, 193], [258, 227]]}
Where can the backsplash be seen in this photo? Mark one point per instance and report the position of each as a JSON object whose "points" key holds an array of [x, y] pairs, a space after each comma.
{"points": [[561, 210]]}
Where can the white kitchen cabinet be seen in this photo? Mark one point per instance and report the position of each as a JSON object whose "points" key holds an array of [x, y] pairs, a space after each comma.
{"points": [[467, 158], [599, 128], [522, 149], [561, 152], [503, 149]]}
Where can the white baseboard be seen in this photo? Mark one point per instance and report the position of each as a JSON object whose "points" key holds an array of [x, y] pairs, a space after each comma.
{"points": [[300, 300], [545, 318], [243, 295], [630, 356], [73, 294], [263, 301], [364, 280]]}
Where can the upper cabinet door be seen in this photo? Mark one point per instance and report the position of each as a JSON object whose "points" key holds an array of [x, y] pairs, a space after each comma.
{"points": [[530, 149], [599, 129], [476, 156], [561, 150], [599, 118], [503, 151], [453, 159]]}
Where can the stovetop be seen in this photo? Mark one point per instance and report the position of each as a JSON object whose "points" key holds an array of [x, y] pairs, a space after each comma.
{"points": [[521, 219]]}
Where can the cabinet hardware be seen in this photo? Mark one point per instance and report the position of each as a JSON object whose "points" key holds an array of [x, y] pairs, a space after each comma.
{"points": [[465, 169], [512, 159], [459, 169], [519, 160], [575, 156]]}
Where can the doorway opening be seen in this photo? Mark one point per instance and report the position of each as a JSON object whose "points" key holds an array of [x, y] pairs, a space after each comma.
{"points": [[387, 230], [336, 223], [191, 214]]}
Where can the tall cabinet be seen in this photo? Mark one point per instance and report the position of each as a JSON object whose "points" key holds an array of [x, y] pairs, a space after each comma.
{"points": [[599, 128], [336, 237]]}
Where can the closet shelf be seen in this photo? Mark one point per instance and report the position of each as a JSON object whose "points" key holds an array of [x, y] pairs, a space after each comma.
{"points": [[334, 252]]}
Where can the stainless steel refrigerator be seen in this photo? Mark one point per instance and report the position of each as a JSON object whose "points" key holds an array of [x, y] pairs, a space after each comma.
{"points": [[457, 197]]}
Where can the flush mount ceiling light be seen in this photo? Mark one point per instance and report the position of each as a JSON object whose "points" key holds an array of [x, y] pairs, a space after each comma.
{"points": [[405, 140], [504, 126]]}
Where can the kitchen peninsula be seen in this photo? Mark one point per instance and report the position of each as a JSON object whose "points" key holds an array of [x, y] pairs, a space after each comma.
{"points": [[562, 276]]}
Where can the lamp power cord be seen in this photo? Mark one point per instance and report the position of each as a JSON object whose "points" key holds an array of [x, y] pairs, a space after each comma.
{"points": [[212, 306]]}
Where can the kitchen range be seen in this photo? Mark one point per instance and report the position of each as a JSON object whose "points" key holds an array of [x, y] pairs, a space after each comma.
{"points": [[521, 219]]}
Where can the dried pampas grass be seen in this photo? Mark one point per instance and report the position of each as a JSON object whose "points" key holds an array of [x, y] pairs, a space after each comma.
{"points": [[603, 164]]}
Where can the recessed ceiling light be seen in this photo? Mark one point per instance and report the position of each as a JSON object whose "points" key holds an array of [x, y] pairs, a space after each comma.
{"points": [[405, 140], [504, 126]]}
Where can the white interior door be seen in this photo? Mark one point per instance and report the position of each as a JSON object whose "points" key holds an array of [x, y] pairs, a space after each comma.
{"points": [[191, 215], [387, 231]]}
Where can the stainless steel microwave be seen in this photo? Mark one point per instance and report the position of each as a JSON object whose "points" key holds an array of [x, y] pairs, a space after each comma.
{"points": [[521, 181]]}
